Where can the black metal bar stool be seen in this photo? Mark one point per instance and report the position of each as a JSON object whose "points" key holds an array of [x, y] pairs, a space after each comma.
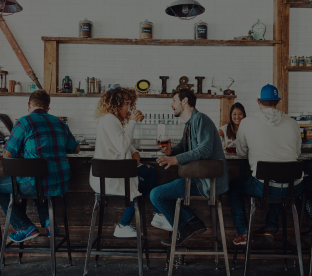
{"points": [[201, 169], [280, 172], [116, 169], [37, 168], [306, 194]]}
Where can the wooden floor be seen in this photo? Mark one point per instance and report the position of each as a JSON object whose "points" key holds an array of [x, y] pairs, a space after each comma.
{"points": [[40, 266]]}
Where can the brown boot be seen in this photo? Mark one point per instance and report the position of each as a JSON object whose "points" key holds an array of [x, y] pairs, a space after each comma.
{"points": [[240, 239]]}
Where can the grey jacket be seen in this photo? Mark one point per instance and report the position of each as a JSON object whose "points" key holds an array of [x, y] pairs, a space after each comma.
{"points": [[205, 145]]}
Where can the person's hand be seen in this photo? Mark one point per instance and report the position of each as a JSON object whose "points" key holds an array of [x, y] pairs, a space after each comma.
{"points": [[166, 150], [229, 143], [170, 161], [135, 115], [136, 156]]}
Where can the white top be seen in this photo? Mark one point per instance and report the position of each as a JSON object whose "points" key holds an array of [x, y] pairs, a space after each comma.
{"points": [[225, 140], [113, 141], [268, 135]]}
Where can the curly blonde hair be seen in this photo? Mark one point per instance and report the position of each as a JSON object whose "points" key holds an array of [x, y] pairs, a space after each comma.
{"points": [[113, 100]]}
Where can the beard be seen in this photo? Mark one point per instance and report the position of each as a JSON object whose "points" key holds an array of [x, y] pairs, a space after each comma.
{"points": [[178, 111]]}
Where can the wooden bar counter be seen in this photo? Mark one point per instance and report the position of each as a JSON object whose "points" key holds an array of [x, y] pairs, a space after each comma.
{"points": [[80, 200]]}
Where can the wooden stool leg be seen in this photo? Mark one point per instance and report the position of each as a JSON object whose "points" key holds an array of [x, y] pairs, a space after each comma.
{"points": [[100, 226], [215, 236], [249, 234], [142, 205], [6, 230], [223, 238], [174, 235], [92, 227], [52, 235], [139, 236], [284, 228], [66, 229], [298, 240], [304, 201]]}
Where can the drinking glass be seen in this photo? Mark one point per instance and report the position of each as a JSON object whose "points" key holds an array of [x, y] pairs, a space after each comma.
{"points": [[163, 140]]}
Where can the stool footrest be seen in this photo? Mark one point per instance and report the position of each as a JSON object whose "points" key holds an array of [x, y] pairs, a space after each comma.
{"points": [[273, 256], [195, 252]]}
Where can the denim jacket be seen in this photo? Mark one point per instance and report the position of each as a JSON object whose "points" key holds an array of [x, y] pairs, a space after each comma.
{"points": [[205, 145]]}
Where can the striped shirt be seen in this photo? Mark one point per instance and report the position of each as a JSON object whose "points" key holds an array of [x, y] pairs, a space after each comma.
{"points": [[41, 135]]}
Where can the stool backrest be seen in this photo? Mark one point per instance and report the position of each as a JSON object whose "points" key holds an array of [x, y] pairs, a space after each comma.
{"points": [[280, 172], [201, 169], [105, 168], [32, 167], [5, 119]]}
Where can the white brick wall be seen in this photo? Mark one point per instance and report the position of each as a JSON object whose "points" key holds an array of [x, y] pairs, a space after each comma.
{"points": [[251, 67]]}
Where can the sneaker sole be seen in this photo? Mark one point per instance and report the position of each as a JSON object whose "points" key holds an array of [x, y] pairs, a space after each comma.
{"points": [[124, 237], [163, 228], [26, 239], [239, 243]]}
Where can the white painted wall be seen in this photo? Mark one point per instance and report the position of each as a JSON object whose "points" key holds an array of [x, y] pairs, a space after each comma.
{"points": [[251, 67]]}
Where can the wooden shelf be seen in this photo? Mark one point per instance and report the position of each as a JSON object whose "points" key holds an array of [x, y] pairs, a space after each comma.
{"points": [[161, 42], [199, 96], [300, 4], [298, 68]]}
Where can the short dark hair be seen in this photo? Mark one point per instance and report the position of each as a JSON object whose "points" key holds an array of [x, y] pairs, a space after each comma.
{"points": [[185, 93], [269, 103], [40, 98]]}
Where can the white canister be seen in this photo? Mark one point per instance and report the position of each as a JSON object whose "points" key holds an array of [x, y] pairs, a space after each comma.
{"points": [[309, 61], [293, 61], [18, 88], [301, 61]]}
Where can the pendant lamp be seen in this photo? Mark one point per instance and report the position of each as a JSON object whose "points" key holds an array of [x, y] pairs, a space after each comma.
{"points": [[185, 9], [10, 6]]}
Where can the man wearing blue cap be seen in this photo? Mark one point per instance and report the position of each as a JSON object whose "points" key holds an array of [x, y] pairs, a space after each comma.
{"points": [[267, 135]]}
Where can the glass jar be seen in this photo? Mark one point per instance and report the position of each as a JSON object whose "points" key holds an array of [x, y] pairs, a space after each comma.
{"points": [[146, 29], [200, 30], [309, 61], [85, 28], [293, 61], [301, 61]]}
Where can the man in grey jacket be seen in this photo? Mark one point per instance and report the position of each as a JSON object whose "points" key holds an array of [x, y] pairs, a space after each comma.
{"points": [[200, 141], [267, 135]]}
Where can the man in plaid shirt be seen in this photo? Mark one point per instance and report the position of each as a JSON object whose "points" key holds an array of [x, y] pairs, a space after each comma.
{"points": [[37, 135]]}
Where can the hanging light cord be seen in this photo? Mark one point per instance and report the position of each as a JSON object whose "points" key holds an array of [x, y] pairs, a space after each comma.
{"points": [[187, 17]]}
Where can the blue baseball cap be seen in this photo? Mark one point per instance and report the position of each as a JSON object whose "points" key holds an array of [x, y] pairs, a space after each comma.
{"points": [[269, 93]]}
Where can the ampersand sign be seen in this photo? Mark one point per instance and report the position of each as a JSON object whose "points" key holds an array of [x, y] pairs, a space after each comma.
{"points": [[184, 84]]}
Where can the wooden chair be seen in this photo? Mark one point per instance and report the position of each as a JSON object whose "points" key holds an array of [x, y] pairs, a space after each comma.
{"points": [[201, 169], [116, 169], [37, 168], [280, 172]]}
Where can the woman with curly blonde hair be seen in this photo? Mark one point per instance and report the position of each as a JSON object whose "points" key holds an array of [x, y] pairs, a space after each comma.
{"points": [[117, 119]]}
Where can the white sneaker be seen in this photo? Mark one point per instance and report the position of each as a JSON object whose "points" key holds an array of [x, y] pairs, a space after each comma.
{"points": [[125, 232], [161, 222]]}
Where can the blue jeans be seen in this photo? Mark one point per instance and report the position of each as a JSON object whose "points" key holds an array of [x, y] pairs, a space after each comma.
{"points": [[19, 219], [163, 198], [249, 185], [147, 181]]}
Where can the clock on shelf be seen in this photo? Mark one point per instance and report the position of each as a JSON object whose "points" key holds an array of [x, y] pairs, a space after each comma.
{"points": [[258, 30]]}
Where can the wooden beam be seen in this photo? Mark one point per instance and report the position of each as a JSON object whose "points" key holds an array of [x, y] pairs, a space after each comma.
{"points": [[225, 106], [306, 5], [51, 66], [298, 68], [277, 49], [161, 42], [285, 57]]}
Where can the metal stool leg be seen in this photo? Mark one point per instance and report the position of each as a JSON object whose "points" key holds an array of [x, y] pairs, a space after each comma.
{"points": [[1, 244], [20, 254], [310, 273], [223, 238], [235, 256], [142, 203], [92, 227], [174, 235], [249, 235], [284, 227], [215, 237], [52, 235], [298, 240], [66, 229], [139, 236], [6, 230], [100, 226], [304, 200]]}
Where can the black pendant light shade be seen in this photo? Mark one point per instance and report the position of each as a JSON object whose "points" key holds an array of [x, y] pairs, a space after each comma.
{"points": [[10, 6], [185, 9]]}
